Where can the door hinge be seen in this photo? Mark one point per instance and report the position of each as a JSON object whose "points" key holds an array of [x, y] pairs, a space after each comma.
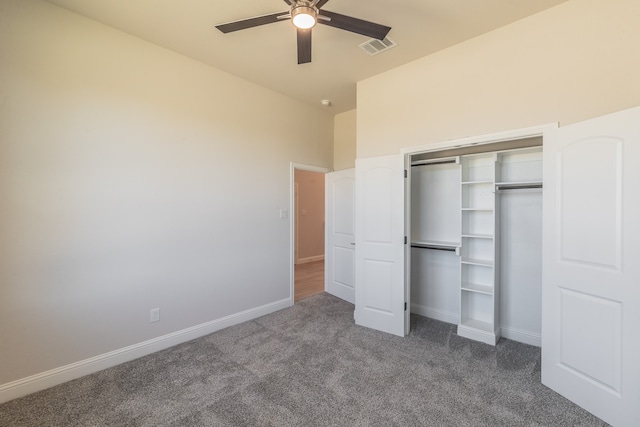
{"points": [[405, 306], [405, 173], [405, 240]]}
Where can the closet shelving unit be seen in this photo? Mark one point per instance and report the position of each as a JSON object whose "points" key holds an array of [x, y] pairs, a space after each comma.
{"points": [[463, 204], [479, 316]]}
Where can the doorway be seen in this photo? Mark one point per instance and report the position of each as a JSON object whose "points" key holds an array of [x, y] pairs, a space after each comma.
{"points": [[308, 231]]}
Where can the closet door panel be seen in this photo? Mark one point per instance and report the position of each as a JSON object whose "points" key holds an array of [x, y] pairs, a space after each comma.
{"points": [[602, 206], [380, 262], [591, 273]]}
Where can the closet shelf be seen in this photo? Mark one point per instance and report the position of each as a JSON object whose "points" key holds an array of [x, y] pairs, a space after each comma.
{"points": [[477, 182], [482, 262], [475, 287], [519, 183], [439, 161], [478, 236], [435, 244]]}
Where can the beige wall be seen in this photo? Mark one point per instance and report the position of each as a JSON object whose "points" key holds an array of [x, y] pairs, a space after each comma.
{"points": [[344, 140], [573, 62], [133, 178], [310, 214]]}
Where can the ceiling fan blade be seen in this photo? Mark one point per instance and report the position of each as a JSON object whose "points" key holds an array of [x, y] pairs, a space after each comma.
{"points": [[251, 22], [320, 3], [355, 25], [304, 46]]}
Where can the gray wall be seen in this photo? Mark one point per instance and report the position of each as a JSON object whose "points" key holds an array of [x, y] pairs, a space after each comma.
{"points": [[133, 178]]}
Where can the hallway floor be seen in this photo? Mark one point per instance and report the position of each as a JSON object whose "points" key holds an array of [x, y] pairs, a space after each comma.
{"points": [[309, 280]]}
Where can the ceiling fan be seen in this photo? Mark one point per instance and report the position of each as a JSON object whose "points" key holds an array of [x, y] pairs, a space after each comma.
{"points": [[305, 14]]}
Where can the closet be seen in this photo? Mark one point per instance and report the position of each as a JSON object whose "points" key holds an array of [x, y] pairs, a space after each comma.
{"points": [[452, 231], [476, 239]]}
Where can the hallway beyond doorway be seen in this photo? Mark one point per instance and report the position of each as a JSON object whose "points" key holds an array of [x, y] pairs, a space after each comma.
{"points": [[309, 280]]}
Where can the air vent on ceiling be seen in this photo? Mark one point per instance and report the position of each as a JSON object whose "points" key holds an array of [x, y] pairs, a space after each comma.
{"points": [[375, 46]]}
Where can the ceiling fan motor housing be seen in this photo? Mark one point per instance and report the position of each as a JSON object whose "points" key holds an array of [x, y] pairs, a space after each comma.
{"points": [[304, 14]]}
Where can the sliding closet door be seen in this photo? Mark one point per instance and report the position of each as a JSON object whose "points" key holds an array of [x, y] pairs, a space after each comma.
{"points": [[340, 235], [380, 283], [591, 265]]}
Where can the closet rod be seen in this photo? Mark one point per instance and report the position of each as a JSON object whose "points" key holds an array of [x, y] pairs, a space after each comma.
{"points": [[517, 186], [437, 248], [432, 162]]}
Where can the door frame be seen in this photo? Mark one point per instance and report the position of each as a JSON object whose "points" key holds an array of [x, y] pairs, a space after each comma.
{"points": [[510, 135], [292, 219]]}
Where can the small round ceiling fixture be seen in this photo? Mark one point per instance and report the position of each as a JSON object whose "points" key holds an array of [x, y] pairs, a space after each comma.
{"points": [[325, 103], [304, 15]]}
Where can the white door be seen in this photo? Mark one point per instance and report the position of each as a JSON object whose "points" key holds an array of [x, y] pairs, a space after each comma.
{"points": [[380, 284], [591, 265], [340, 188]]}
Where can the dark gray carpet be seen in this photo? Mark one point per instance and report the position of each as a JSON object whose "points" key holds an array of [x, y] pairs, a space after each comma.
{"points": [[310, 365]]}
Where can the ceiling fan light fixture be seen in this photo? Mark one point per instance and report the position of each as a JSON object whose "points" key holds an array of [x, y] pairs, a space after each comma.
{"points": [[304, 16]]}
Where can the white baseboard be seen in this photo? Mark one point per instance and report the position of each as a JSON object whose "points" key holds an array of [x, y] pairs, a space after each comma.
{"points": [[490, 338], [310, 259], [526, 337], [432, 313], [53, 377]]}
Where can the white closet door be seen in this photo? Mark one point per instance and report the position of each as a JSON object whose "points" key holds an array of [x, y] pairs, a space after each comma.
{"points": [[591, 265], [380, 282], [340, 245]]}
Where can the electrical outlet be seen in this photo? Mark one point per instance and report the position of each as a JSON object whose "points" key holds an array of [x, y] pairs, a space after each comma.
{"points": [[154, 315]]}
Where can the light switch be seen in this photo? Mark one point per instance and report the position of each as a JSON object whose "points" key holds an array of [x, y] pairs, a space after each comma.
{"points": [[284, 213]]}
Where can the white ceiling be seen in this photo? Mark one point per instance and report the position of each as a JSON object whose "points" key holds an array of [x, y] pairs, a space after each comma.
{"points": [[266, 55]]}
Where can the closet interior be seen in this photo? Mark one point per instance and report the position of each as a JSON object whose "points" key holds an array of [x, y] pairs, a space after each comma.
{"points": [[476, 239]]}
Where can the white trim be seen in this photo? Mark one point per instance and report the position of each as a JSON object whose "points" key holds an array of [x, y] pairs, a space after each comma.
{"points": [[310, 259], [292, 231], [432, 313], [521, 336], [476, 334], [296, 224], [492, 138], [310, 168], [53, 377]]}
